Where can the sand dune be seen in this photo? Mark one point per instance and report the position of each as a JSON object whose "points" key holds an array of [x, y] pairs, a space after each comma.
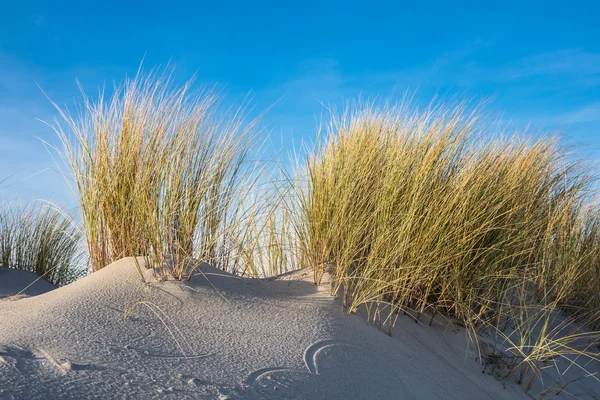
{"points": [[220, 336], [15, 282]]}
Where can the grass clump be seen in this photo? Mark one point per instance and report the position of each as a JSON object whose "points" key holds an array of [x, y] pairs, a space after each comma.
{"points": [[42, 240], [425, 212], [161, 172]]}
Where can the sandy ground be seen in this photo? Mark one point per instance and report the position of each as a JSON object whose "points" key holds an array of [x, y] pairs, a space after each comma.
{"points": [[220, 336], [15, 282]]}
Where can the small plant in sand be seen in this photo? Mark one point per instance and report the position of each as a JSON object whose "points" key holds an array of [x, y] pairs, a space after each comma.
{"points": [[41, 239], [425, 212], [162, 172]]}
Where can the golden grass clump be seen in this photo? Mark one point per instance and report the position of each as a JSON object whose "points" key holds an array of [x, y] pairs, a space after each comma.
{"points": [[423, 212], [40, 239], [161, 172]]}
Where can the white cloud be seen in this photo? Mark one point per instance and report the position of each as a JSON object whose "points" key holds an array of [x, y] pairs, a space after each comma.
{"points": [[588, 113]]}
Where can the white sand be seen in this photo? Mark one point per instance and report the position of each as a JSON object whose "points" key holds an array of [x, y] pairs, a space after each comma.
{"points": [[15, 282], [235, 338]]}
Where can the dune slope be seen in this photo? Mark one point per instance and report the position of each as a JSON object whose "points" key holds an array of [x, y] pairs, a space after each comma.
{"points": [[17, 282], [221, 336]]}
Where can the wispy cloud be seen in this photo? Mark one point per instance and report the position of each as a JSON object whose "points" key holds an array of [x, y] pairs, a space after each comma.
{"points": [[38, 20], [557, 89], [566, 62], [319, 80], [461, 67], [588, 113]]}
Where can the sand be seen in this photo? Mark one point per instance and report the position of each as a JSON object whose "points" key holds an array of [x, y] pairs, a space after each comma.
{"points": [[14, 282], [220, 336]]}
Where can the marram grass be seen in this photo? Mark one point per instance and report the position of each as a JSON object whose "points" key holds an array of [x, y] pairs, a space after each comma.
{"points": [[424, 212], [408, 211], [41, 239], [160, 172]]}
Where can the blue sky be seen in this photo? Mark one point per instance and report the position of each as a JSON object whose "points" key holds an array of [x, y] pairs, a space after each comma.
{"points": [[539, 62]]}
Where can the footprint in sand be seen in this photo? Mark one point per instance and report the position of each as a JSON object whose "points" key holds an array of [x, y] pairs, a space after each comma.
{"points": [[37, 361], [333, 370]]}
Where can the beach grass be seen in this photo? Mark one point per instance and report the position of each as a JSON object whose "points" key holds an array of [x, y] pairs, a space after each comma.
{"points": [[161, 171], [424, 211], [40, 238], [421, 212]]}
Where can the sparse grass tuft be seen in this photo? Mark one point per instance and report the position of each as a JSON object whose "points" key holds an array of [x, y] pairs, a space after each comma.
{"points": [[40, 239]]}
